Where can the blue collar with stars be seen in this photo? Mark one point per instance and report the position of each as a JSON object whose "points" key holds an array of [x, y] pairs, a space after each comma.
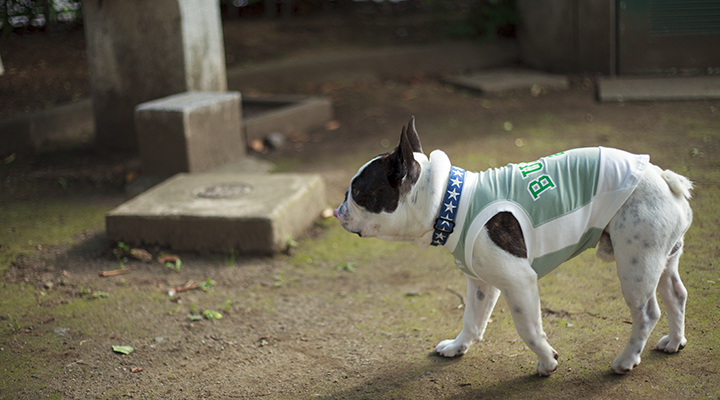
{"points": [[445, 222]]}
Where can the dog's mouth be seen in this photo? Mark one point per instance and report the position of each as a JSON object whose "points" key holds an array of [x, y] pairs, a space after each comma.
{"points": [[335, 214]]}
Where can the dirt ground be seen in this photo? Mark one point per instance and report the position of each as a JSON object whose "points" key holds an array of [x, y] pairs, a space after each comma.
{"points": [[338, 316]]}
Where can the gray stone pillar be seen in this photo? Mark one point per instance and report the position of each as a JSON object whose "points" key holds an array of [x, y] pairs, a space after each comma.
{"points": [[140, 50], [567, 35]]}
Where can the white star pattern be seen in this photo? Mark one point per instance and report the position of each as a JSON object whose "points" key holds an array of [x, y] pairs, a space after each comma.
{"points": [[449, 207], [452, 197]]}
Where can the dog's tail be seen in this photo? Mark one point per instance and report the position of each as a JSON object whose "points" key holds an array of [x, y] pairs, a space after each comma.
{"points": [[679, 184]]}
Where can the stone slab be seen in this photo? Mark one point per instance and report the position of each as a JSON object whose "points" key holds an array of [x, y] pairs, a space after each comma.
{"points": [[247, 164], [247, 213], [501, 80], [189, 132], [286, 114], [67, 126], [662, 88]]}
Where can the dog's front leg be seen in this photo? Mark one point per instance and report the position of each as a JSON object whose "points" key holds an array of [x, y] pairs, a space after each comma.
{"points": [[523, 300], [481, 299]]}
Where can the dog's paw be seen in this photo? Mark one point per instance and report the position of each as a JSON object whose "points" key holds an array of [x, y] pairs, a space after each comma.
{"points": [[548, 367], [670, 345], [622, 366], [451, 348]]}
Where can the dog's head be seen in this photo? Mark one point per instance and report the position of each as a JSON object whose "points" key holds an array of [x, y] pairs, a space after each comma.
{"points": [[381, 193]]}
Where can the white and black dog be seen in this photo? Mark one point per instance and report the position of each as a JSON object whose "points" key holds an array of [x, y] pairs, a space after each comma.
{"points": [[509, 226]]}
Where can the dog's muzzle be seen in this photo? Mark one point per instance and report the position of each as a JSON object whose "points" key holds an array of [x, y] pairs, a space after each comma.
{"points": [[337, 213]]}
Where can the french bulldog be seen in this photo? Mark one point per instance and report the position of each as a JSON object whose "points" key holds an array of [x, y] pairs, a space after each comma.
{"points": [[508, 227]]}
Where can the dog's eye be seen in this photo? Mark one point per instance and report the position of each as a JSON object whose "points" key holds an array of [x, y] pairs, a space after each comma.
{"points": [[355, 193]]}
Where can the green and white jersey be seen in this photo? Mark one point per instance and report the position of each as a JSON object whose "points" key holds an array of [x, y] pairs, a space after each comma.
{"points": [[562, 202]]}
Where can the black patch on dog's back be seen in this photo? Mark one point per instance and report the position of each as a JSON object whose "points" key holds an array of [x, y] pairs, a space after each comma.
{"points": [[504, 230]]}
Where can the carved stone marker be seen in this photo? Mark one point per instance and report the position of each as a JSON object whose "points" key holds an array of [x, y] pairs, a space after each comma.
{"points": [[189, 132], [141, 50], [220, 213]]}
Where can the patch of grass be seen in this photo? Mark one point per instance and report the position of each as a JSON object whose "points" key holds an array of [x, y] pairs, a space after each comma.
{"points": [[45, 223]]}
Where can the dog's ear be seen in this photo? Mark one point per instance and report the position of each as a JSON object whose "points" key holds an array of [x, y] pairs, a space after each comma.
{"points": [[413, 136], [402, 162]]}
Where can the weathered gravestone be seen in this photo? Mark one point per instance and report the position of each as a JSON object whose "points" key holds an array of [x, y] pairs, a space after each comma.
{"points": [[221, 212], [141, 50], [162, 62], [189, 132]]}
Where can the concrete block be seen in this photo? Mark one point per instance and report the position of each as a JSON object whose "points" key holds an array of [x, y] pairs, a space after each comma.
{"points": [[65, 126], [284, 114], [247, 213], [497, 81], [142, 50], [663, 88], [189, 132]]}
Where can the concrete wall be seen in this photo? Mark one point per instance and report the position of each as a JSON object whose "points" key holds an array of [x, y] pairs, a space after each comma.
{"points": [[66, 126], [142, 50], [568, 35]]}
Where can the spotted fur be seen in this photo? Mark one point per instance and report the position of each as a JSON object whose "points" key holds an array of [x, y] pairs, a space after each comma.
{"points": [[397, 196]]}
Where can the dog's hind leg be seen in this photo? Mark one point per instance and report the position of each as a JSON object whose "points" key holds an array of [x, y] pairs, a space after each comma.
{"points": [[673, 294], [646, 235], [481, 299]]}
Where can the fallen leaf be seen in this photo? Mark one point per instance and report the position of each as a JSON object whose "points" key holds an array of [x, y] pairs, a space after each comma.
{"points": [[136, 370], [189, 286], [141, 255], [123, 349], [210, 314], [131, 176], [332, 125], [168, 258], [114, 272], [410, 95], [257, 145]]}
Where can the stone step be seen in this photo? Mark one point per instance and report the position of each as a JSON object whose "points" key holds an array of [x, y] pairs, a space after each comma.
{"points": [[620, 89], [220, 212], [507, 79]]}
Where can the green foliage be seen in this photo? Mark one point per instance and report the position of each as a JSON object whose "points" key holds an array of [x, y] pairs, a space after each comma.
{"points": [[210, 314], [280, 282], [38, 14], [175, 266], [230, 260], [486, 18], [349, 267], [207, 284], [123, 349]]}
